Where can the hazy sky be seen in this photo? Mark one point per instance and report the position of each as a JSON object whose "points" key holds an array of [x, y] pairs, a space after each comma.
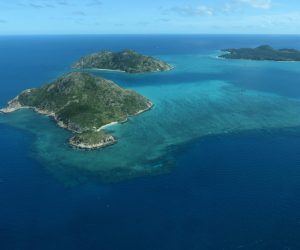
{"points": [[149, 16]]}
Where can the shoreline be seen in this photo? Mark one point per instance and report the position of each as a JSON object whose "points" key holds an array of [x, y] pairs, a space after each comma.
{"points": [[150, 105], [14, 105], [172, 67], [248, 59], [109, 141], [253, 60], [106, 126], [109, 70]]}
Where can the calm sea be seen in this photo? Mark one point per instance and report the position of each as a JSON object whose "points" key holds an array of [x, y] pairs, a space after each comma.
{"points": [[228, 191]]}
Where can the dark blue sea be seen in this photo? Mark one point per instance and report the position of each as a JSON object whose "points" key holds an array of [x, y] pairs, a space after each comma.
{"points": [[236, 189]]}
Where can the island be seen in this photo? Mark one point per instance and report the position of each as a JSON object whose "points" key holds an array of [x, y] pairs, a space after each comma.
{"points": [[84, 104], [128, 61], [264, 52]]}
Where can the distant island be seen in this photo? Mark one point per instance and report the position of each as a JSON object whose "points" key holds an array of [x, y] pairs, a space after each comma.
{"points": [[264, 52], [127, 61], [84, 104]]}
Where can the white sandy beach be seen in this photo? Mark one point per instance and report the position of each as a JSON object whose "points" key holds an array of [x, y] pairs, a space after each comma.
{"points": [[106, 126]]}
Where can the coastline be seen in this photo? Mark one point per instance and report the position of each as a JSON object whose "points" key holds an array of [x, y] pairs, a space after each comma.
{"points": [[109, 70], [221, 56], [107, 125], [123, 71], [14, 105], [254, 60], [109, 141], [150, 105]]}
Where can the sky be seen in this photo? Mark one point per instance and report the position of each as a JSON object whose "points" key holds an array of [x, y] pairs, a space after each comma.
{"points": [[25, 17]]}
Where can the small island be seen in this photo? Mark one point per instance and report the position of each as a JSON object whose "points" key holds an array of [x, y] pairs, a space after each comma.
{"points": [[84, 104], [127, 61], [261, 53]]}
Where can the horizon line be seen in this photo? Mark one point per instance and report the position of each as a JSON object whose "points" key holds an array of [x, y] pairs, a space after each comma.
{"points": [[154, 34]]}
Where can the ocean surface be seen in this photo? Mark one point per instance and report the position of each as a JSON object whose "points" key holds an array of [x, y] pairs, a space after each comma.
{"points": [[215, 165]]}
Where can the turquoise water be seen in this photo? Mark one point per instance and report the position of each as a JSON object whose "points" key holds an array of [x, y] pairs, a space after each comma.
{"points": [[184, 111], [215, 165]]}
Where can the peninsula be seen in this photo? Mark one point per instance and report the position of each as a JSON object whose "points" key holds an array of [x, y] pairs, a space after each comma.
{"points": [[127, 61], [264, 52], [84, 104]]}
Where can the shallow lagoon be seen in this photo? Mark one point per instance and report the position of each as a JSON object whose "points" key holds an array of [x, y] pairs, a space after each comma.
{"points": [[190, 102]]}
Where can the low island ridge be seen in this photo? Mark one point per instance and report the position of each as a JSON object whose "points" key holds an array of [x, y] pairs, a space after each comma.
{"points": [[264, 52], [127, 61], [83, 104]]}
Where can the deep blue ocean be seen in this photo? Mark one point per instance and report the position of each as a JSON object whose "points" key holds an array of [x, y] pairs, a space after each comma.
{"points": [[227, 191]]}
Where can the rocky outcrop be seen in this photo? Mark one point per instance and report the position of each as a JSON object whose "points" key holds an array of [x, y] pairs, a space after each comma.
{"points": [[77, 143]]}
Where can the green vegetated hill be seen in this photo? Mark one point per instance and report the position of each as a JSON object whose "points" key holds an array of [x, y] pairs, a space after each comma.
{"points": [[264, 52], [83, 103], [127, 60]]}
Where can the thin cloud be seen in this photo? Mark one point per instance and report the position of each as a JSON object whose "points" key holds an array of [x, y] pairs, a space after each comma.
{"points": [[36, 4], [95, 3], [142, 23], [258, 4], [119, 24], [236, 6], [164, 20], [201, 10], [63, 3], [39, 4], [78, 13]]}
